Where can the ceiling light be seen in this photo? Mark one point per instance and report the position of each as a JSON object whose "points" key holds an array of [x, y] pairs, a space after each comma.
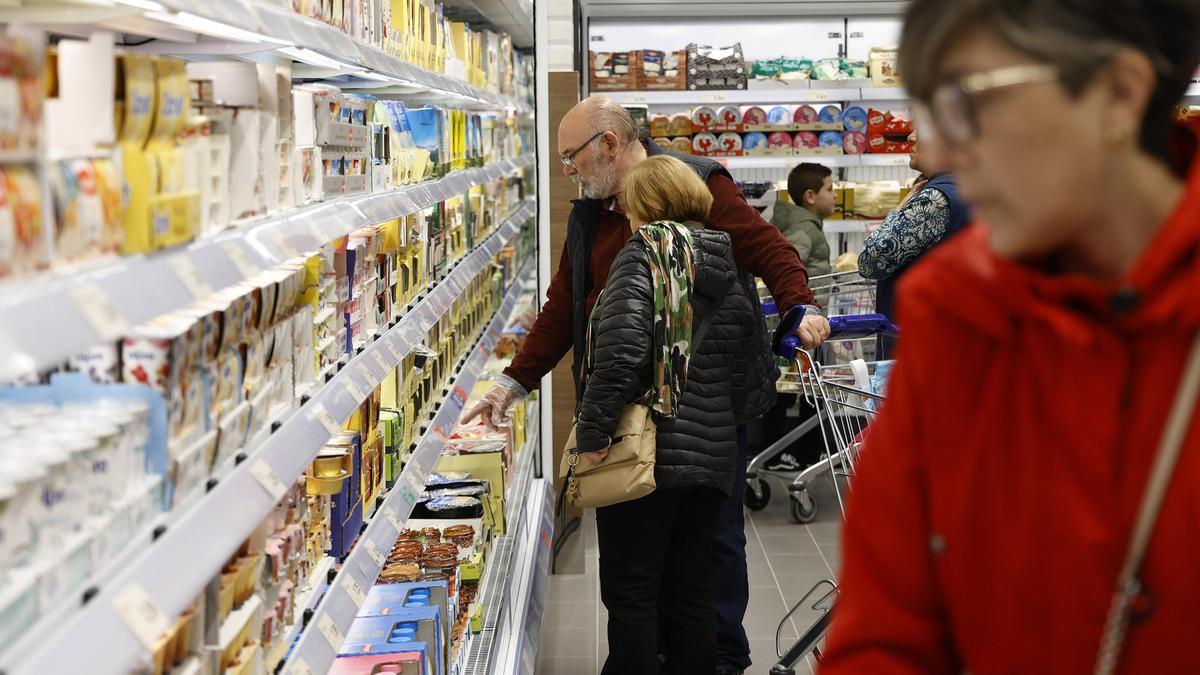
{"points": [[214, 28]]}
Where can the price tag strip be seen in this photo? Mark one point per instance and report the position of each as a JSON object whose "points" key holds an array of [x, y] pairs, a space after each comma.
{"points": [[98, 311], [353, 590], [267, 478], [358, 394], [373, 552], [394, 518], [333, 634], [300, 667], [147, 622], [320, 414], [185, 270], [363, 370], [379, 359], [237, 255]]}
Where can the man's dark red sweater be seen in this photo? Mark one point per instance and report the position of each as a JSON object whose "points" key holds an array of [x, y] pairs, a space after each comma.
{"points": [[758, 248]]}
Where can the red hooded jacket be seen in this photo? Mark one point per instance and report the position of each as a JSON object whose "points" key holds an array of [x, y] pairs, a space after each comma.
{"points": [[993, 505]]}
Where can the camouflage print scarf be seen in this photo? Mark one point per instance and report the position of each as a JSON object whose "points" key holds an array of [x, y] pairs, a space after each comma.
{"points": [[669, 252]]}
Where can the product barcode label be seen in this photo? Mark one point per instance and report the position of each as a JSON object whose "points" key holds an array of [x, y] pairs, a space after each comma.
{"points": [[332, 633], [394, 518], [189, 276], [266, 477], [373, 552], [395, 348], [353, 590], [237, 256], [141, 615], [299, 667], [98, 311], [320, 414], [353, 389], [381, 360]]}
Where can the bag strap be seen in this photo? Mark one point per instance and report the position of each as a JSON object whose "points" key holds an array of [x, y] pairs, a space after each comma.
{"points": [[1129, 583]]}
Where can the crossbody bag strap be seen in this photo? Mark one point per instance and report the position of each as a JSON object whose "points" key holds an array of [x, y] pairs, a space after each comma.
{"points": [[1129, 583]]}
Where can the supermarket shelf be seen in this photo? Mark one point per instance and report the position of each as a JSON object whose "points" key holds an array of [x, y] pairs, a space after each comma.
{"points": [[237, 620], [306, 599], [799, 92], [61, 315], [827, 160], [514, 17], [259, 27], [317, 649], [191, 549], [478, 653]]}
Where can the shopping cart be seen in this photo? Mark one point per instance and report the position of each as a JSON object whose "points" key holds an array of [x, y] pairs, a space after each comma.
{"points": [[841, 294], [846, 398]]}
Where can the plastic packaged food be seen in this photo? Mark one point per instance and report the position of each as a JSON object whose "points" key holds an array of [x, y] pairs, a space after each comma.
{"points": [[854, 118], [755, 140], [780, 139], [729, 116], [704, 143], [854, 142], [729, 142], [830, 140], [681, 125], [704, 117], [682, 145], [779, 115], [830, 114], [805, 114], [754, 115], [806, 140]]}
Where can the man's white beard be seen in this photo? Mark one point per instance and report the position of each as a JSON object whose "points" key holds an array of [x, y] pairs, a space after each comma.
{"points": [[603, 184]]}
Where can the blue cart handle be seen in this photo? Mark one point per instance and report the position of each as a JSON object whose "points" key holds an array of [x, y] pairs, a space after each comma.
{"points": [[785, 343]]}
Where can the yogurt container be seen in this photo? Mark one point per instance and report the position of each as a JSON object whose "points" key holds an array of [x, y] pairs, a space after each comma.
{"points": [[704, 117], [830, 140], [779, 115], [779, 139], [729, 116], [854, 142], [854, 118], [754, 115], [806, 140], [805, 114], [729, 142], [704, 143], [830, 114], [755, 140]]}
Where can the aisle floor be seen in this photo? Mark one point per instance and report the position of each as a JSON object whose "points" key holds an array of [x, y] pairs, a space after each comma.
{"points": [[785, 560]]}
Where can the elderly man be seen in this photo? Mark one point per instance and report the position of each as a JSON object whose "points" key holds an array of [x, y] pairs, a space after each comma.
{"points": [[598, 144]]}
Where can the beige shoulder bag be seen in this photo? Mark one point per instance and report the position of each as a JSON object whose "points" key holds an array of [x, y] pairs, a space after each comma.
{"points": [[1129, 583], [627, 472]]}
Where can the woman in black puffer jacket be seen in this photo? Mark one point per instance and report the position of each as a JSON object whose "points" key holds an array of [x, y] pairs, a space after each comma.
{"points": [[656, 551]]}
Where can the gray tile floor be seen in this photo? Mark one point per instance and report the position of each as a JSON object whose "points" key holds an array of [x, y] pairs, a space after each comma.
{"points": [[785, 560]]}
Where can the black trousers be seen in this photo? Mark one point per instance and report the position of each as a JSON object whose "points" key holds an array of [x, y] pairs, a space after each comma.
{"points": [[656, 578], [731, 593]]}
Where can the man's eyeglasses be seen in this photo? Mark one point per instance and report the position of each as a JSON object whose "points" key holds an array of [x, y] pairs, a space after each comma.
{"points": [[952, 113], [568, 159]]}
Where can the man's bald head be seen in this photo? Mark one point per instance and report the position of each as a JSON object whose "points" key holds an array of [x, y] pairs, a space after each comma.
{"points": [[595, 114]]}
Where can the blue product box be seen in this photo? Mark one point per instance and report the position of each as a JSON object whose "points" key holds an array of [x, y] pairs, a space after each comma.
{"points": [[400, 632], [393, 599]]}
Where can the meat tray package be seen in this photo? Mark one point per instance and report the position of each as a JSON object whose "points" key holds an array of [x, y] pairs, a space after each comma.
{"points": [[710, 68]]}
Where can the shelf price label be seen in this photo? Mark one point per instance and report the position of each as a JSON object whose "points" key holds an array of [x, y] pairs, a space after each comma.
{"points": [[358, 394], [333, 634], [378, 356], [99, 312], [353, 590], [141, 615], [373, 552], [320, 414], [817, 95], [266, 477], [366, 372], [185, 270], [237, 256], [394, 518], [394, 349]]}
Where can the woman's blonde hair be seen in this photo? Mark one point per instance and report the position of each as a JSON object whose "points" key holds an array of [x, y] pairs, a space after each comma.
{"points": [[664, 188]]}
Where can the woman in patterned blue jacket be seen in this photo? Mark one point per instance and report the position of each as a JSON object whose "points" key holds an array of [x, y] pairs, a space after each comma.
{"points": [[931, 212]]}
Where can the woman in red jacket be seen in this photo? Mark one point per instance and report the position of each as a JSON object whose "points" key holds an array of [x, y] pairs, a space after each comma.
{"points": [[1043, 348]]}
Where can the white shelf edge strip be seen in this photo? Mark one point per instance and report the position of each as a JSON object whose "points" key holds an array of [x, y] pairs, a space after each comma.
{"points": [[140, 288], [366, 559], [793, 94], [190, 551]]}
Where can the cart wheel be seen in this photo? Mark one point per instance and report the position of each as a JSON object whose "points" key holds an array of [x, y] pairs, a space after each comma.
{"points": [[804, 506], [758, 494]]}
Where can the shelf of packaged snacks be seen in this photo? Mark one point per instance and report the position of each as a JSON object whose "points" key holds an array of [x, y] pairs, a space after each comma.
{"points": [[308, 597], [788, 161], [800, 91], [479, 650], [193, 545], [519, 624], [62, 314], [318, 645], [252, 28]]}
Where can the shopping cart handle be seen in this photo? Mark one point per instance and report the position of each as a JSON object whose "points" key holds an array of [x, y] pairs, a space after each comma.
{"points": [[786, 343]]}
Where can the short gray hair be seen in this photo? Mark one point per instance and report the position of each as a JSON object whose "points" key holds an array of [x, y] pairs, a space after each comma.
{"points": [[1077, 36], [608, 115]]}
